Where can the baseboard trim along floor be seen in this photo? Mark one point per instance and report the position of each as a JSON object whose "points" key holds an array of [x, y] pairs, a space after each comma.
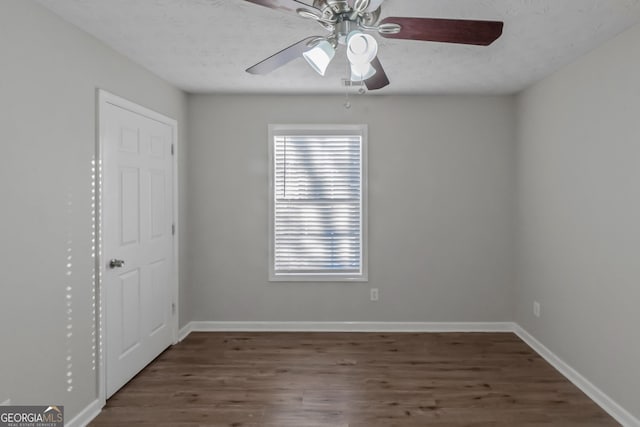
{"points": [[347, 327], [620, 414], [86, 415]]}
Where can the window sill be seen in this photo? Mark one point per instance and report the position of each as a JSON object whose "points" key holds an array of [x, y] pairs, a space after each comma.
{"points": [[317, 278]]}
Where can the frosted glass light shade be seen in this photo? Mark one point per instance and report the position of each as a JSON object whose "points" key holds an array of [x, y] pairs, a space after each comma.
{"points": [[360, 72], [320, 56], [361, 48]]}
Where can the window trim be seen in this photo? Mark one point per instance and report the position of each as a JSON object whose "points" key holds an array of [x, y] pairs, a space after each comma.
{"points": [[320, 129]]}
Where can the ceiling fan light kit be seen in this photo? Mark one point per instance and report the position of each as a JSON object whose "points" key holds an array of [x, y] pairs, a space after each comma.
{"points": [[320, 56], [361, 48], [347, 21], [362, 72]]}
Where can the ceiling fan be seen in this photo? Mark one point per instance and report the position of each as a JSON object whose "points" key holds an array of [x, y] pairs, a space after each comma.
{"points": [[350, 22]]}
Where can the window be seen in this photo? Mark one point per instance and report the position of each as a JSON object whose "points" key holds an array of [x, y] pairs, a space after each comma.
{"points": [[317, 222]]}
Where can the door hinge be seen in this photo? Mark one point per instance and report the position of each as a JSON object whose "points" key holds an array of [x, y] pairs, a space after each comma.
{"points": [[173, 151], [173, 308], [173, 229]]}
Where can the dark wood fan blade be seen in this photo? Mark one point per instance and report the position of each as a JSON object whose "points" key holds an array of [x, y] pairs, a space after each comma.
{"points": [[481, 33], [286, 5], [283, 57], [379, 79]]}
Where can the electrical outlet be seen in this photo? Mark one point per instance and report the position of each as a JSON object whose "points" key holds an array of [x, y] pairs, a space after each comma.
{"points": [[536, 308], [374, 294]]}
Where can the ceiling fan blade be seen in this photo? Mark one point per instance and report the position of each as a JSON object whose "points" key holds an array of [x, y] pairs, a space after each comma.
{"points": [[481, 33], [379, 79], [283, 57], [286, 5]]}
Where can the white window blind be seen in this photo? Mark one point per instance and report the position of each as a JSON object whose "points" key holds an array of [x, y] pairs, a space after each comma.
{"points": [[318, 202]]}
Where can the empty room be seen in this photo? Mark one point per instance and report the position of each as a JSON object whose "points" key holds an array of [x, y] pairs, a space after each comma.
{"points": [[296, 213]]}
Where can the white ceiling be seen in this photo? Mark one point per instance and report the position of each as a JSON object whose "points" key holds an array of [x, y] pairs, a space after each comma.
{"points": [[204, 46]]}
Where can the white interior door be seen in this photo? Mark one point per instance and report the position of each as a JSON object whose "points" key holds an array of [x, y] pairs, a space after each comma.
{"points": [[137, 236]]}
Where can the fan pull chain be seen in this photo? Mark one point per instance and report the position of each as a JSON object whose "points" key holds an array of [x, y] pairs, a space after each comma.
{"points": [[347, 104]]}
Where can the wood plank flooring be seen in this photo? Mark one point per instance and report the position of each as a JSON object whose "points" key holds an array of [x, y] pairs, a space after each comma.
{"points": [[350, 380]]}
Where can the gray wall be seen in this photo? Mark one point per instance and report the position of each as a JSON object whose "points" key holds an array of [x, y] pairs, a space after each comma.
{"points": [[49, 72], [441, 172], [578, 216]]}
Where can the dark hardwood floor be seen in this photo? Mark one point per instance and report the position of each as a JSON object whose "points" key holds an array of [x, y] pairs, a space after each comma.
{"points": [[350, 379]]}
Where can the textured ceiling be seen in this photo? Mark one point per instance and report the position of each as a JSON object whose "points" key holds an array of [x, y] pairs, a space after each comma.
{"points": [[205, 45]]}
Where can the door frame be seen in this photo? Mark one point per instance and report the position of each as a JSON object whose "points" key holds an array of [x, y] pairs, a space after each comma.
{"points": [[104, 98]]}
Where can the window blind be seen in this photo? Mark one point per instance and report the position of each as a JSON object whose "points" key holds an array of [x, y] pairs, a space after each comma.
{"points": [[318, 204]]}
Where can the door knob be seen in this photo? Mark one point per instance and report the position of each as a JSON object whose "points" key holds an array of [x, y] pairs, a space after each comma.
{"points": [[116, 263]]}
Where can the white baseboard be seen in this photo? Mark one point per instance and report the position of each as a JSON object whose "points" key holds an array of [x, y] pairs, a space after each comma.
{"points": [[346, 327], [86, 416], [598, 396], [185, 331], [6, 403]]}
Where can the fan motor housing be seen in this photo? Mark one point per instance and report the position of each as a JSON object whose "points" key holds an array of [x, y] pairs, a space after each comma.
{"points": [[342, 10], [335, 7]]}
